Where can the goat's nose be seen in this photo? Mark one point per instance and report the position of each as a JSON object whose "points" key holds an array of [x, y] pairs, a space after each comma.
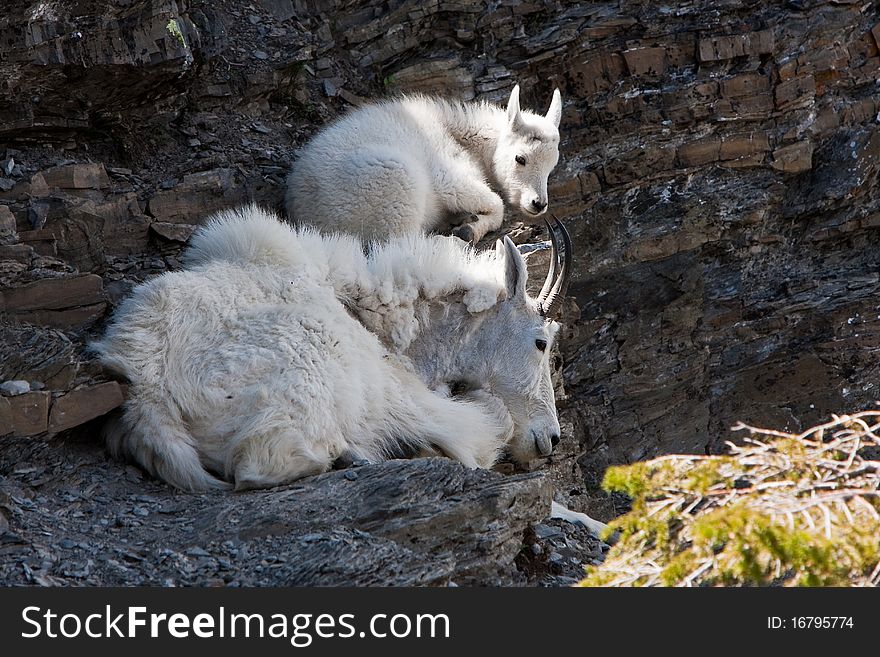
{"points": [[543, 448], [538, 205], [554, 439]]}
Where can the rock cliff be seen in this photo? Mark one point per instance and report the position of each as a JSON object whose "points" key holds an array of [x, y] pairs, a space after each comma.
{"points": [[719, 175]]}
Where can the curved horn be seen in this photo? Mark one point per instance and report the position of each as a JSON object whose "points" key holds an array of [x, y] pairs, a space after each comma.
{"points": [[560, 287], [551, 273]]}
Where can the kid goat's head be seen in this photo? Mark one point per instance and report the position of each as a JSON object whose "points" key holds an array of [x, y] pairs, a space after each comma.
{"points": [[516, 343], [527, 151]]}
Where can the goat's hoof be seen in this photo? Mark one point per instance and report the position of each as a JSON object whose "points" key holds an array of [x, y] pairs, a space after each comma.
{"points": [[465, 232], [342, 462]]}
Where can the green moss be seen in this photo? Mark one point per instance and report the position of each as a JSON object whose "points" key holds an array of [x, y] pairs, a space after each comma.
{"points": [[174, 30]]}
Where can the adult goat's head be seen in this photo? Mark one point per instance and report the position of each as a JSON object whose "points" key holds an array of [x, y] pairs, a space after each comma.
{"points": [[512, 347]]}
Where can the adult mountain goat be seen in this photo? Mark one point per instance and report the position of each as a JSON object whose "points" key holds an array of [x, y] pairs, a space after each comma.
{"points": [[278, 350], [413, 163]]}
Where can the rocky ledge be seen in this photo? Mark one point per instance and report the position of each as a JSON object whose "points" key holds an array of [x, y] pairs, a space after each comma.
{"points": [[70, 516]]}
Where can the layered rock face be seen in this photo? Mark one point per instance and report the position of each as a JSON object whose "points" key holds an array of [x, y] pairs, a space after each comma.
{"points": [[719, 175], [723, 179]]}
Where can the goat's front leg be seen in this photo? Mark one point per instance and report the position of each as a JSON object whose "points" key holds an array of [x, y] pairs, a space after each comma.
{"points": [[485, 208], [462, 191], [476, 427], [494, 408]]}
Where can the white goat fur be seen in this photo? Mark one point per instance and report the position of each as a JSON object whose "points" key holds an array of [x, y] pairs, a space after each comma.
{"points": [[416, 163], [278, 350]]}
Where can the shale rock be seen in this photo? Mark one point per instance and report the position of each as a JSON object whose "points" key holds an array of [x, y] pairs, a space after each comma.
{"points": [[56, 302], [77, 518], [25, 415], [83, 404]]}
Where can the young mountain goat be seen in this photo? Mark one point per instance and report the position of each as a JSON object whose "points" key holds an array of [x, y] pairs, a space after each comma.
{"points": [[279, 350], [416, 163]]}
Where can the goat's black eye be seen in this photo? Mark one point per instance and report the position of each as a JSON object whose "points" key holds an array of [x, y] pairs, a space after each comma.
{"points": [[541, 344], [520, 160]]}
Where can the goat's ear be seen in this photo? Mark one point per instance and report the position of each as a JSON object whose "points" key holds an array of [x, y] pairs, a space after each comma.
{"points": [[513, 107], [515, 273], [555, 111]]}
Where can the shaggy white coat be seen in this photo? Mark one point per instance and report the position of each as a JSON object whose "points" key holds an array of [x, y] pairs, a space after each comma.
{"points": [[278, 350], [419, 163]]}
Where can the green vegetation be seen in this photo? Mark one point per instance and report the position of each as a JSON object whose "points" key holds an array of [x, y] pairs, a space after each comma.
{"points": [[174, 30], [782, 509]]}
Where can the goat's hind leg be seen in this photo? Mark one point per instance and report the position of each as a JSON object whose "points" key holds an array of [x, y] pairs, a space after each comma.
{"points": [[276, 456], [385, 192], [596, 528]]}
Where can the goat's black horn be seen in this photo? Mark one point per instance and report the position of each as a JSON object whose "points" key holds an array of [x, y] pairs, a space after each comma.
{"points": [[560, 286], [554, 266]]}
